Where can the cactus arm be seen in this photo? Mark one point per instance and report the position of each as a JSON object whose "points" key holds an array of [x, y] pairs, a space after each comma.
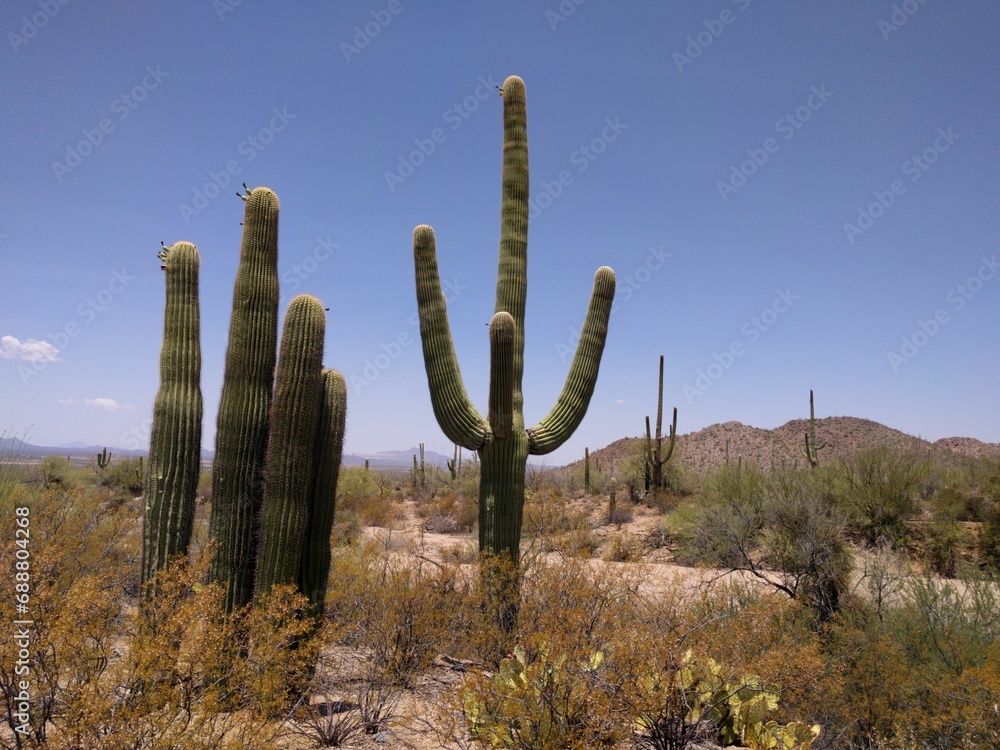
{"points": [[453, 409], [572, 404], [649, 446], [315, 566], [298, 394], [501, 399], [512, 266], [672, 439]]}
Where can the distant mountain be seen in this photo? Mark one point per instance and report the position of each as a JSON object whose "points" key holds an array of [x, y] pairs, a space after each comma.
{"points": [[396, 459], [709, 448], [76, 449]]}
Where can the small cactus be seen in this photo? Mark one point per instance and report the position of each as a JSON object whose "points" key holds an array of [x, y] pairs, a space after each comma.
{"points": [[586, 470], [103, 459]]}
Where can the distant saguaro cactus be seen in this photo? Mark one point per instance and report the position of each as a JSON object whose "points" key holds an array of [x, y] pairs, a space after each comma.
{"points": [[586, 470], [500, 438], [655, 456], [812, 449], [175, 441]]}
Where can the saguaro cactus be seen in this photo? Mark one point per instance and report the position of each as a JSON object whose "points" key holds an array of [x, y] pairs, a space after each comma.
{"points": [[241, 433], [586, 470], [655, 456], [812, 449], [175, 442], [315, 567], [103, 459], [298, 393], [501, 439]]}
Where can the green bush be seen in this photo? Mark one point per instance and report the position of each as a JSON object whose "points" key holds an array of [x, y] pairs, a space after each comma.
{"points": [[880, 490]]}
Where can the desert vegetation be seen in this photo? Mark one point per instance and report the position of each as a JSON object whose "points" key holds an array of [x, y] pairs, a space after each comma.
{"points": [[849, 606]]}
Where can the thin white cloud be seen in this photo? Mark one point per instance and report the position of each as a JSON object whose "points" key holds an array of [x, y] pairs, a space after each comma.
{"points": [[620, 401], [30, 350], [108, 404]]}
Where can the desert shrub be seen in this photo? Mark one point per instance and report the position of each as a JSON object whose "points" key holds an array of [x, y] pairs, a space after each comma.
{"points": [[989, 541], [448, 511], [782, 530], [108, 673], [123, 475], [53, 470], [621, 546], [398, 612], [554, 524], [367, 494], [880, 489]]}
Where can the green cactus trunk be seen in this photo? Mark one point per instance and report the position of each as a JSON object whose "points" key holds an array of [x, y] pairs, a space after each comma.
{"points": [[315, 566], [298, 394], [242, 427], [501, 439], [175, 442]]}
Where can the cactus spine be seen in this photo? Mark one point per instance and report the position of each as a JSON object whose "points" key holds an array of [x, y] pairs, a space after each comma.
{"points": [[175, 442], [315, 566], [298, 392], [812, 449], [241, 434], [655, 456], [502, 442]]}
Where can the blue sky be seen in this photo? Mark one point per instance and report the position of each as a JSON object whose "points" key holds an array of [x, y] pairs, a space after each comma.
{"points": [[794, 196]]}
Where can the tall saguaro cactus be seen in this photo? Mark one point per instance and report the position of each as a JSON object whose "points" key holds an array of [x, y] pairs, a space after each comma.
{"points": [[501, 439], [175, 442], [242, 427], [655, 456], [812, 449]]}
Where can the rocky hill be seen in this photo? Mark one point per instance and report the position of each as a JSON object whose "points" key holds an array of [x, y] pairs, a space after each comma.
{"points": [[708, 448]]}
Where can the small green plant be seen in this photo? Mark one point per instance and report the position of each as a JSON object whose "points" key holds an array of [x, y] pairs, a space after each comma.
{"points": [[697, 694], [540, 702]]}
